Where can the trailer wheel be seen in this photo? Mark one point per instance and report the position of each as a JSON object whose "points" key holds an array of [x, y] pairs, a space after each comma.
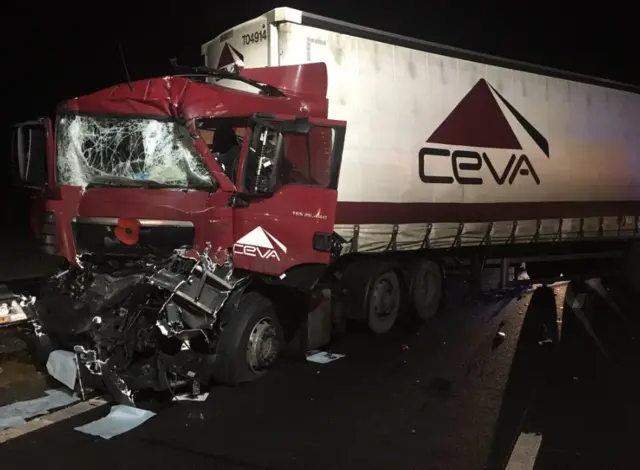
{"points": [[384, 296], [250, 342], [631, 273], [425, 289]]}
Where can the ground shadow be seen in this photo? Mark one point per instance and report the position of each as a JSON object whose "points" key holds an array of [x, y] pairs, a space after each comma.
{"points": [[564, 382]]}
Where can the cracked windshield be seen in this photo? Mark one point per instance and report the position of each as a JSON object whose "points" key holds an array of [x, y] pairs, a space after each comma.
{"points": [[97, 151]]}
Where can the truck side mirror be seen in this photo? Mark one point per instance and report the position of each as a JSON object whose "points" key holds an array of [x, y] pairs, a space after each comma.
{"points": [[29, 153]]}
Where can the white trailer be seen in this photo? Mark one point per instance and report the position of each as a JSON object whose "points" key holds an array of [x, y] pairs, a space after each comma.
{"points": [[451, 148]]}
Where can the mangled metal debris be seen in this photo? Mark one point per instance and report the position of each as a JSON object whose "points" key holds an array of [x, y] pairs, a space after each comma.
{"points": [[132, 324]]}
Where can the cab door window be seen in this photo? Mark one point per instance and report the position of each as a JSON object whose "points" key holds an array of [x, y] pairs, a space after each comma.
{"points": [[308, 159]]}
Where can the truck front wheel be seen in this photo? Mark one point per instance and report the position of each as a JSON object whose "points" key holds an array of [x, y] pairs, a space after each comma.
{"points": [[250, 340]]}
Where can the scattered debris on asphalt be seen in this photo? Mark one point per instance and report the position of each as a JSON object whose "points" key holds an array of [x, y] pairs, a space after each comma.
{"points": [[130, 325], [498, 339], [191, 397], [18, 413], [323, 357], [121, 418], [404, 347]]}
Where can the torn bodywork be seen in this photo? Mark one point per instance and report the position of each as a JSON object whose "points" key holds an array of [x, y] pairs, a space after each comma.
{"points": [[137, 324]]}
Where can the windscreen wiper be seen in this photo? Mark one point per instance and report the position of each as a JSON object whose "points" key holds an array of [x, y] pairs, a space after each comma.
{"points": [[223, 74]]}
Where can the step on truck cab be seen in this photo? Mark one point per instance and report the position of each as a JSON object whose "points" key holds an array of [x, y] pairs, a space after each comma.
{"points": [[213, 218]]}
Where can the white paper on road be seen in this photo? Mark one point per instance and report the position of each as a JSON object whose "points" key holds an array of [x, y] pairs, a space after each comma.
{"points": [[323, 357], [11, 422], [189, 397], [121, 418], [17, 413], [61, 365]]}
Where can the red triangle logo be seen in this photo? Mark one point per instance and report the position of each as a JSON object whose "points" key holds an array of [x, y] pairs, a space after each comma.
{"points": [[477, 121], [227, 56]]}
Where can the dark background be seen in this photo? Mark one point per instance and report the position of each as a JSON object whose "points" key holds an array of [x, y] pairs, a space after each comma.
{"points": [[53, 51]]}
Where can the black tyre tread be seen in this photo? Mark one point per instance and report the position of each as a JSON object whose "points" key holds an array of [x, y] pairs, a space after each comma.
{"points": [[418, 312], [230, 364], [398, 283]]}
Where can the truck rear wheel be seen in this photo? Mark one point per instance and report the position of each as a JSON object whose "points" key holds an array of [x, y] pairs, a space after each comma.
{"points": [[631, 270], [250, 342], [384, 297], [425, 289]]}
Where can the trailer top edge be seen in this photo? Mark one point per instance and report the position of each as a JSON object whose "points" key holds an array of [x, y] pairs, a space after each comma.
{"points": [[286, 14]]}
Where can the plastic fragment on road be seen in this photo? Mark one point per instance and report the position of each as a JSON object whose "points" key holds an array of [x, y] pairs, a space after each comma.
{"points": [[121, 418], [323, 357], [404, 347], [18, 413], [62, 366], [191, 397]]}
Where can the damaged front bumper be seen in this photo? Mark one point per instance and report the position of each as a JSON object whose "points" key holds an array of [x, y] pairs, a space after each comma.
{"points": [[133, 325]]}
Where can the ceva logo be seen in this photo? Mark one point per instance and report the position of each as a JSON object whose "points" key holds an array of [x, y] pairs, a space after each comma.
{"points": [[259, 243], [482, 120]]}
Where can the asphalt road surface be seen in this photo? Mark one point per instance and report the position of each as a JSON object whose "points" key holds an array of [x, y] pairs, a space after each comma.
{"points": [[533, 382]]}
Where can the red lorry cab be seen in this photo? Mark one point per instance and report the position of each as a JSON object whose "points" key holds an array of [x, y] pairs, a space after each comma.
{"points": [[100, 169]]}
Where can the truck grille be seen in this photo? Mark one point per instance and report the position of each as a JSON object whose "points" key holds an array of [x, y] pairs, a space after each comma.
{"points": [[159, 237]]}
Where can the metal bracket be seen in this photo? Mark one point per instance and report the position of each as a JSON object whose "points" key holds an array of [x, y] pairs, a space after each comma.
{"points": [[487, 235], [425, 241], [601, 227], [354, 239], [458, 240], [558, 236], [536, 236], [512, 236], [621, 223], [394, 235]]}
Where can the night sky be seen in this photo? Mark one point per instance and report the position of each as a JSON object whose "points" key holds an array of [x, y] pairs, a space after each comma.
{"points": [[54, 52]]}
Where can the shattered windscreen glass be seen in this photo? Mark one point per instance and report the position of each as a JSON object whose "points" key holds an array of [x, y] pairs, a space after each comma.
{"points": [[129, 152]]}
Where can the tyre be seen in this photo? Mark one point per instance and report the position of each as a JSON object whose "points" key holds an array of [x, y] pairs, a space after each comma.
{"points": [[425, 284], [631, 273], [250, 340], [383, 302]]}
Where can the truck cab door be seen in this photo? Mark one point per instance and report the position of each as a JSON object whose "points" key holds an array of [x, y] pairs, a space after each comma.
{"points": [[33, 166], [287, 180]]}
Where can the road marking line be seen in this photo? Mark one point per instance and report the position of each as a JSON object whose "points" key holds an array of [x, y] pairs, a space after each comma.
{"points": [[525, 452], [46, 420]]}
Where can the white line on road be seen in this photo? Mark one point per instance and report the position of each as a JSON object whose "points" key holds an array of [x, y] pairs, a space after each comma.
{"points": [[525, 452], [56, 416]]}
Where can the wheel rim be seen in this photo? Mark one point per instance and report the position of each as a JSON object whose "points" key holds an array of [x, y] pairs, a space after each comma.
{"points": [[263, 346], [383, 299]]}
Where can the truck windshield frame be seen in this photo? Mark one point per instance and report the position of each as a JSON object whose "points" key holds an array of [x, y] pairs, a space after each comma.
{"points": [[128, 151]]}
